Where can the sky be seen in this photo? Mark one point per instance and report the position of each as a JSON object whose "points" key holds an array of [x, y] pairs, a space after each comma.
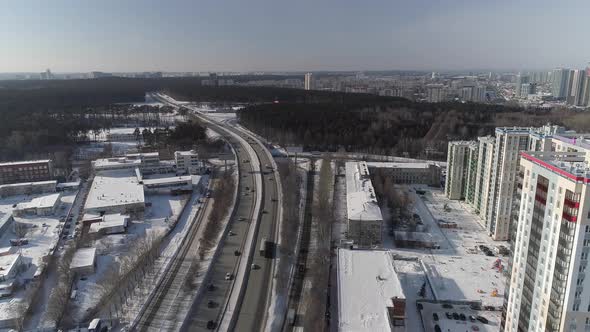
{"points": [[301, 35]]}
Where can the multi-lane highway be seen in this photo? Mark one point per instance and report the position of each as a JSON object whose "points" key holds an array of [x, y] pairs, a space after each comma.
{"points": [[241, 305]]}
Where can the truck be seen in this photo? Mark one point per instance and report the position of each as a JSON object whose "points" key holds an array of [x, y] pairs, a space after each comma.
{"points": [[266, 248]]}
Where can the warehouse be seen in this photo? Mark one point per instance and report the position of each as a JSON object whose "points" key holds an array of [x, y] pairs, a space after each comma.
{"points": [[116, 191], [106, 224]]}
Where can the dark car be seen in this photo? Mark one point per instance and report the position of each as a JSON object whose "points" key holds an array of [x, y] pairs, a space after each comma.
{"points": [[437, 328], [455, 316], [211, 304], [211, 287], [447, 306], [211, 325], [462, 316], [435, 316], [448, 315], [237, 253], [482, 319]]}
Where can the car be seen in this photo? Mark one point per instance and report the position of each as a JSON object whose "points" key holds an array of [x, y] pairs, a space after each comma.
{"points": [[449, 316], [210, 303], [211, 325], [231, 233], [228, 276], [210, 287], [67, 226], [274, 199], [474, 328], [471, 318], [237, 253], [255, 267], [264, 212], [482, 319], [447, 306], [437, 328], [66, 233], [435, 316], [462, 316], [455, 316], [242, 219], [247, 188]]}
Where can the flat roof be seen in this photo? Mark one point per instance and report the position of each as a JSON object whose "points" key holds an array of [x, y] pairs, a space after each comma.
{"points": [[24, 162], [120, 161], [379, 164], [108, 221], [167, 180], [83, 257], [23, 184], [7, 263], [112, 188], [568, 164], [186, 153], [361, 202], [367, 282], [40, 202]]}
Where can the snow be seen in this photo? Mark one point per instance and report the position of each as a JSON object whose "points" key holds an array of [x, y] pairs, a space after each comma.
{"points": [[25, 162], [41, 202], [414, 165], [83, 257], [366, 284], [360, 195], [113, 188]]}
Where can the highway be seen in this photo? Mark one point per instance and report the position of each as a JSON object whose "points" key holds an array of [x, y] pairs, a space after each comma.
{"points": [[213, 307]]}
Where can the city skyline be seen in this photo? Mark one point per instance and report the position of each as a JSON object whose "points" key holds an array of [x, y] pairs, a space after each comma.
{"points": [[304, 36]]}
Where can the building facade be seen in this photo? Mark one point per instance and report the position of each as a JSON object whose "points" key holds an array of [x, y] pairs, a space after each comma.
{"points": [[457, 169], [188, 162], [548, 290], [26, 171]]}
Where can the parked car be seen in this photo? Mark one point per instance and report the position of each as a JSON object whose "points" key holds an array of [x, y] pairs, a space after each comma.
{"points": [[482, 319], [435, 316], [211, 304], [228, 276], [237, 253]]}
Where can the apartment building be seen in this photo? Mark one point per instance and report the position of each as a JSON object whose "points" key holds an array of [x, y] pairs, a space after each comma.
{"points": [[458, 166], [26, 171], [547, 289], [486, 175], [188, 162]]}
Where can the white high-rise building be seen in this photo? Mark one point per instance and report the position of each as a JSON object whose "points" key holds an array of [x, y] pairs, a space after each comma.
{"points": [[457, 169], [547, 288], [308, 83], [435, 93]]}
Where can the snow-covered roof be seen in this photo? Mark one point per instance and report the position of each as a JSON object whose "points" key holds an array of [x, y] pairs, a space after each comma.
{"points": [[7, 263], [112, 188], [83, 257], [24, 184], [361, 202], [168, 180], [41, 202], [186, 153], [377, 164], [109, 221], [366, 284], [120, 162], [24, 162]]}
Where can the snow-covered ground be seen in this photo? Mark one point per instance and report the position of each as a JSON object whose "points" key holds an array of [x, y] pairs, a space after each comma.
{"points": [[43, 235]]}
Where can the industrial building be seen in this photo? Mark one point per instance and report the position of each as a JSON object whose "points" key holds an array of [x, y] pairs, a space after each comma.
{"points": [[370, 295], [115, 191], [26, 171], [105, 224], [365, 221]]}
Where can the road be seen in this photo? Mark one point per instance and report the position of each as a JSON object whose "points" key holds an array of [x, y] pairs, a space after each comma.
{"points": [[249, 314]]}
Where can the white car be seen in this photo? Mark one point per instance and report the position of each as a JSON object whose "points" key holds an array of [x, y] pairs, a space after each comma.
{"points": [[228, 276]]}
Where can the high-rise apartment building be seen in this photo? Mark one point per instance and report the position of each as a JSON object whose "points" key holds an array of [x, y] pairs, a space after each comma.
{"points": [[521, 80], [308, 83], [576, 87], [435, 93], [493, 165], [560, 82], [458, 165], [547, 289]]}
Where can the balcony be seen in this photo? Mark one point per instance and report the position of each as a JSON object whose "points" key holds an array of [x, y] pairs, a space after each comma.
{"points": [[569, 217], [571, 203]]}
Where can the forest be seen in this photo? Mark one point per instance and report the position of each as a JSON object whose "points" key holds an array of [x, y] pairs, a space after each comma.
{"points": [[401, 128]]}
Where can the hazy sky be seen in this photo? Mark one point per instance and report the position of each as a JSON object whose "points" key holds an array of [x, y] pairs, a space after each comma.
{"points": [[244, 35]]}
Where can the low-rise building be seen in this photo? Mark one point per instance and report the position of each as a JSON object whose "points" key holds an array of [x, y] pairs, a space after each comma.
{"points": [[28, 188], [26, 171], [411, 173], [84, 261], [188, 162], [40, 206], [370, 295], [365, 221], [106, 224], [9, 266], [170, 184], [115, 191]]}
